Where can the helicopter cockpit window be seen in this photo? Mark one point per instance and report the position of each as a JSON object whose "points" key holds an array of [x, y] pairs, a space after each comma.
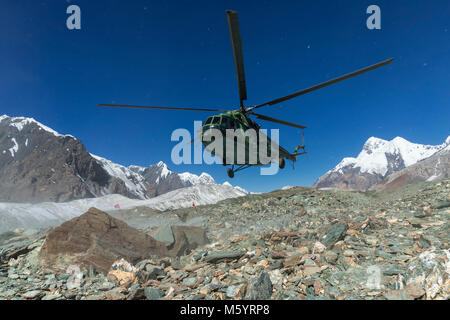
{"points": [[216, 120], [208, 121]]}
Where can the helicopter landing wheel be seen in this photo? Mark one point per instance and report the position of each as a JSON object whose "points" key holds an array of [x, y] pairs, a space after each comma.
{"points": [[282, 163], [230, 173]]}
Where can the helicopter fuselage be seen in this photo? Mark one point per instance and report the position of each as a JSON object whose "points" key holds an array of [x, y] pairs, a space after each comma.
{"points": [[234, 129]]}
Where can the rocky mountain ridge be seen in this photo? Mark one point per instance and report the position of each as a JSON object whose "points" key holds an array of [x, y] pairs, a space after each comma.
{"points": [[37, 164]]}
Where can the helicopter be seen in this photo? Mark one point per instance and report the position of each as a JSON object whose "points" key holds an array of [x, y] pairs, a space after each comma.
{"points": [[239, 119]]}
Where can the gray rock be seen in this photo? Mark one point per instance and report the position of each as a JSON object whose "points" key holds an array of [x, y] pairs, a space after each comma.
{"points": [[51, 297], [8, 293], [216, 257], [150, 272], [189, 281], [260, 287], [165, 235], [106, 286], [153, 293], [441, 205], [232, 291], [32, 294], [199, 255], [63, 276], [330, 256], [336, 233], [136, 294]]}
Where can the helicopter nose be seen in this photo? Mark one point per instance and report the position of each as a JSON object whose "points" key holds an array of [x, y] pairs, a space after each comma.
{"points": [[207, 133]]}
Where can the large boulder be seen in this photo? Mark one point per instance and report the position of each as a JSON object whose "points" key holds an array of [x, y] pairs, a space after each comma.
{"points": [[180, 240], [96, 239], [188, 238]]}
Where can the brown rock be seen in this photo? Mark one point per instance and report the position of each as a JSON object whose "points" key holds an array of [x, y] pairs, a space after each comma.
{"points": [[277, 255], [317, 287], [122, 278], [301, 211], [415, 290], [308, 271], [302, 250], [293, 260], [116, 294], [96, 239]]}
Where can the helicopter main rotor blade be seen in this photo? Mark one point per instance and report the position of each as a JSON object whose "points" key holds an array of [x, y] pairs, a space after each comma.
{"points": [[236, 43], [263, 117], [324, 84], [159, 108], [198, 137]]}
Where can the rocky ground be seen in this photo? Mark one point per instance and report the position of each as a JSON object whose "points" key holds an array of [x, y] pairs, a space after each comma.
{"points": [[299, 243]]}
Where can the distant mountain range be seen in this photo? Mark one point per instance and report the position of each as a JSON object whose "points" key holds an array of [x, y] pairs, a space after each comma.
{"points": [[384, 164], [37, 164], [45, 214]]}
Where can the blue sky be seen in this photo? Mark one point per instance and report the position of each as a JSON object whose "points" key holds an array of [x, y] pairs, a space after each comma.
{"points": [[178, 53]]}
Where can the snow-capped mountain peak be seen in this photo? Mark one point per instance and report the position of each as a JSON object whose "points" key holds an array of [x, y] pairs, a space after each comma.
{"points": [[159, 176], [377, 159], [194, 179], [226, 183], [164, 169], [137, 169], [378, 155], [447, 143], [20, 122], [133, 181]]}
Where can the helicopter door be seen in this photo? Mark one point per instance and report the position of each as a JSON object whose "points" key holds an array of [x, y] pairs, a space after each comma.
{"points": [[232, 124], [227, 122]]}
